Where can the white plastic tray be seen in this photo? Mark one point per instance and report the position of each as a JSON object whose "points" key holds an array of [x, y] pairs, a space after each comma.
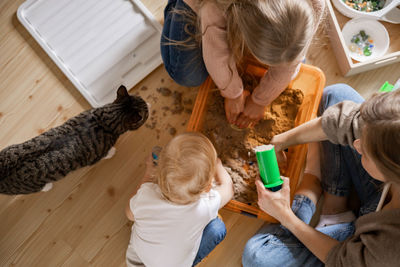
{"points": [[98, 44]]}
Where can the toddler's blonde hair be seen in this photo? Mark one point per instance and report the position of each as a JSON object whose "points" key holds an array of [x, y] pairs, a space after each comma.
{"points": [[381, 133], [186, 167]]}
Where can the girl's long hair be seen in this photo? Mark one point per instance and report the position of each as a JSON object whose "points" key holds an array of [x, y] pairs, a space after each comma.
{"points": [[273, 32]]}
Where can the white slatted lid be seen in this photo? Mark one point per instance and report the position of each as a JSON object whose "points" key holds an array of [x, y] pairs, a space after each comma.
{"points": [[98, 44]]}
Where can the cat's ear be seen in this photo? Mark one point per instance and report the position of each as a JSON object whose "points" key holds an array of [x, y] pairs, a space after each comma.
{"points": [[122, 93]]}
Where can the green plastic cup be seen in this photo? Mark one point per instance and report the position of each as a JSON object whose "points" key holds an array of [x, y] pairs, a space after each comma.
{"points": [[268, 166]]}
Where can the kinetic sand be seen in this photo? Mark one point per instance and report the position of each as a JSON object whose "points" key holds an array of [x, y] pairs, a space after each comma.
{"points": [[235, 147]]}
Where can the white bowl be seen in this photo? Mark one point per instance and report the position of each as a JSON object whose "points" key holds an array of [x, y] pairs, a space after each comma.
{"points": [[388, 13], [374, 29]]}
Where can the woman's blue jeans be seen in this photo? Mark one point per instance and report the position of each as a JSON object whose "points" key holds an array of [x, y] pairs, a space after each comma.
{"points": [[341, 169], [184, 64]]}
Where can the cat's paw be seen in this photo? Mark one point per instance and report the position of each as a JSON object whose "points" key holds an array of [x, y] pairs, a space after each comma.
{"points": [[110, 153], [47, 187]]}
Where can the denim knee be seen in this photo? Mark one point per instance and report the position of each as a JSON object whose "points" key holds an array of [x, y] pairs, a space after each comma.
{"points": [[303, 207], [183, 78], [184, 65], [337, 93], [277, 247], [217, 228], [213, 234], [271, 247], [249, 254]]}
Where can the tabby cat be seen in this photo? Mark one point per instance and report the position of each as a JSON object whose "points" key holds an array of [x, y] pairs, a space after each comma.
{"points": [[81, 141]]}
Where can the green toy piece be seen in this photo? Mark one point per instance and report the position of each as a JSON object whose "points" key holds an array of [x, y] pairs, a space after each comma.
{"points": [[268, 166], [155, 154], [386, 87]]}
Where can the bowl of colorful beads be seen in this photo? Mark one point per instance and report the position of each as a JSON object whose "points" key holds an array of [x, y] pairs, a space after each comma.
{"points": [[385, 10], [365, 38]]}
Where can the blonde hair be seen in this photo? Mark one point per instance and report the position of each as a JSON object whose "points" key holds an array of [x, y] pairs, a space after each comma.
{"points": [[274, 32], [186, 167], [381, 133]]}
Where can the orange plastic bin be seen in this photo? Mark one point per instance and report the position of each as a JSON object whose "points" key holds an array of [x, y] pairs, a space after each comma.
{"points": [[311, 80]]}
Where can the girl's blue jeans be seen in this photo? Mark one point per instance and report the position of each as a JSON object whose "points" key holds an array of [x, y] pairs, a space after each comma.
{"points": [[185, 65], [341, 169]]}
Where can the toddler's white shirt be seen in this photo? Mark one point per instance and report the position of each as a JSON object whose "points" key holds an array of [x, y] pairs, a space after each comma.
{"points": [[167, 234]]}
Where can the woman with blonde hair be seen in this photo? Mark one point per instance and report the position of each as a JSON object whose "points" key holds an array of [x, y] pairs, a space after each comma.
{"points": [[212, 37], [360, 143]]}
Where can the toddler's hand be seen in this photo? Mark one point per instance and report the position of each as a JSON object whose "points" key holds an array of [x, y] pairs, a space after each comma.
{"points": [[233, 107], [219, 162], [251, 115], [149, 173], [218, 168]]}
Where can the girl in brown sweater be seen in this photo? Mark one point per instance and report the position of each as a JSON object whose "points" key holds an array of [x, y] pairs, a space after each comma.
{"points": [[361, 152]]}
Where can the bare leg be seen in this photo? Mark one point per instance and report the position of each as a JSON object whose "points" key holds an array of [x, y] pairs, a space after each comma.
{"points": [[334, 204], [334, 207], [310, 185]]}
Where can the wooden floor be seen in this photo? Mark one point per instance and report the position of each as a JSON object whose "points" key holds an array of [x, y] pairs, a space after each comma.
{"points": [[81, 221]]}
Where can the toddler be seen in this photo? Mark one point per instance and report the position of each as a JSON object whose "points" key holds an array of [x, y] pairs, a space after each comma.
{"points": [[212, 37], [175, 209]]}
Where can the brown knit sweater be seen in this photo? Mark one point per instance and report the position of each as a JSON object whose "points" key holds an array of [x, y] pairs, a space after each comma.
{"points": [[376, 242]]}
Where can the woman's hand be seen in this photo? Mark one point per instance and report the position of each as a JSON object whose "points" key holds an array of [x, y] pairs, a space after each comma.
{"points": [[233, 107], [276, 204], [252, 113]]}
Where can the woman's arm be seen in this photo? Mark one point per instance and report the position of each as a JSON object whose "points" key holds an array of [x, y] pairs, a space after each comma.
{"points": [[308, 132], [340, 124], [318, 243], [277, 204]]}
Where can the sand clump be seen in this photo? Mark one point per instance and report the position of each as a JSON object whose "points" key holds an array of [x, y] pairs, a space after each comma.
{"points": [[234, 146], [166, 103], [164, 91]]}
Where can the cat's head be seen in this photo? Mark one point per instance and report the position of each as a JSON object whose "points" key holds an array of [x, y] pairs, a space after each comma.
{"points": [[136, 109]]}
